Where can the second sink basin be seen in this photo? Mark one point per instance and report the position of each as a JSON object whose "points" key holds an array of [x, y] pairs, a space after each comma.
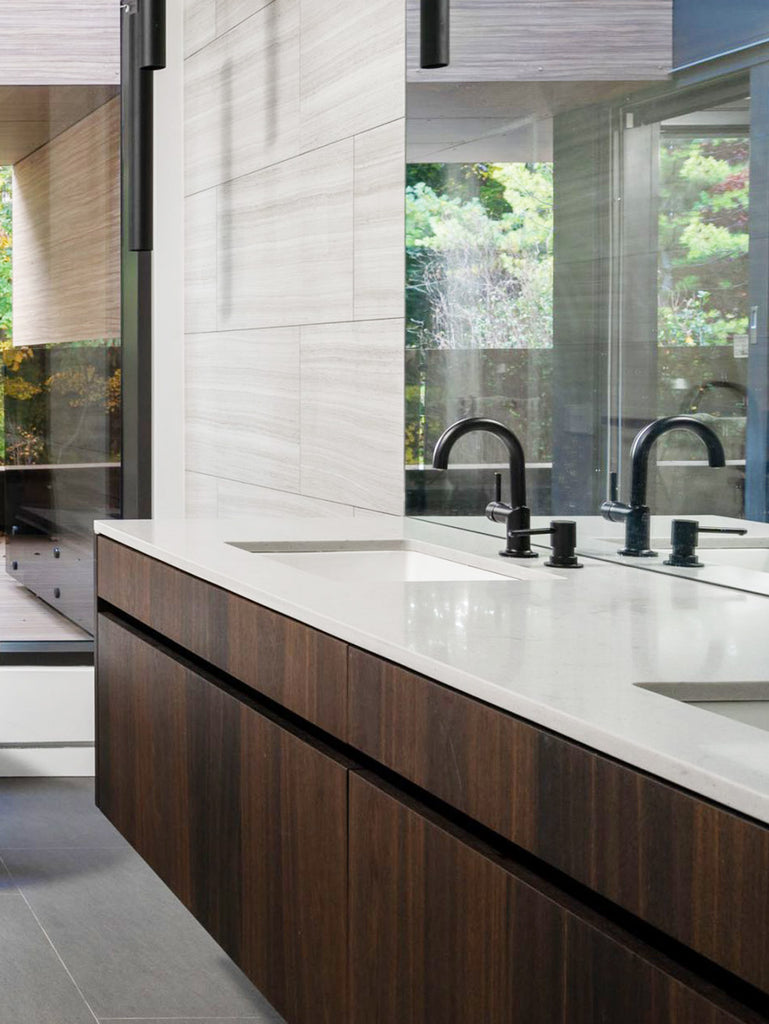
{"points": [[401, 561], [742, 702]]}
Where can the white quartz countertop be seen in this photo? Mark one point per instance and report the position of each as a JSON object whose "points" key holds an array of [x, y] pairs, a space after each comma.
{"points": [[561, 649]]}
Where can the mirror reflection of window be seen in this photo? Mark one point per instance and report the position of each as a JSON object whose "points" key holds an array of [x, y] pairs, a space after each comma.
{"points": [[479, 248], [577, 266], [703, 302]]}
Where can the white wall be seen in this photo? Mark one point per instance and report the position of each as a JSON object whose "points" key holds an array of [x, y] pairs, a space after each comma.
{"points": [[46, 721], [168, 277], [59, 42], [294, 154]]}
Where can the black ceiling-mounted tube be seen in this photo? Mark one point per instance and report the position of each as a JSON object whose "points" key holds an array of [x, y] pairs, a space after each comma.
{"points": [[152, 28], [434, 34], [146, 27]]}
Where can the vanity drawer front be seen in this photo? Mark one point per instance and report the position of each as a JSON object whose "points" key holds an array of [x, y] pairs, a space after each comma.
{"points": [[694, 870], [300, 668], [242, 817], [444, 929]]}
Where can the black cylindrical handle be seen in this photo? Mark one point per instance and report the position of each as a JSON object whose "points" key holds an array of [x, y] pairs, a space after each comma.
{"points": [[152, 35], [497, 487], [684, 534], [140, 139], [564, 545], [434, 34], [146, 28]]}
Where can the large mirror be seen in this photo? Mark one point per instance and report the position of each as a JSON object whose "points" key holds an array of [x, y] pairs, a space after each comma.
{"points": [[581, 259]]}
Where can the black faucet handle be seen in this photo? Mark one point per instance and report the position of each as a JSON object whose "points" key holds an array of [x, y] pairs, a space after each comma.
{"points": [[532, 533], [613, 486]]}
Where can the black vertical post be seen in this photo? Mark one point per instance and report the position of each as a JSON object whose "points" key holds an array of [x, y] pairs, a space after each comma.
{"points": [[434, 33], [136, 288]]}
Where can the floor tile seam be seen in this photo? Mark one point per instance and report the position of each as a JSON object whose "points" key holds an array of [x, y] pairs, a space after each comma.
{"points": [[10, 892], [55, 950]]}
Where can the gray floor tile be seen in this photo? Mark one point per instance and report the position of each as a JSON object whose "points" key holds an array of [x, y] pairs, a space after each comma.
{"points": [[52, 813], [7, 884], [132, 948], [35, 987]]}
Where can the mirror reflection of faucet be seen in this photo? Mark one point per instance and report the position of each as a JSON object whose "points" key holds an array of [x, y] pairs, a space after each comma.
{"points": [[637, 516], [694, 401], [684, 537]]}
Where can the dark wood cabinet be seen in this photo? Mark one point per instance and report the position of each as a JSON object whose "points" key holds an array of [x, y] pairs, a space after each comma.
{"points": [[243, 818], [373, 847], [299, 668], [696, 871], [444, 930]]}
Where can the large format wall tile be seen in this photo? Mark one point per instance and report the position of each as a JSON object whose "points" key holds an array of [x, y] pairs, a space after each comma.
{"points": [[201, 495], [230, 13], [243, 406], [199, 24], [380, 157], [242, 98], [352, 67], [238, 500], [352, 413], [200, 262], [285, 245]]}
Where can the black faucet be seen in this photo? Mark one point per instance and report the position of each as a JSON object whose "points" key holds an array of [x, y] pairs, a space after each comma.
{"points": [[516, 516], [636, 515]]}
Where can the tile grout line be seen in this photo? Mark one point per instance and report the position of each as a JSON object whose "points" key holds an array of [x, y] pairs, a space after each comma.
{"points": [[50, 941], [292, 327], [287, 159]]}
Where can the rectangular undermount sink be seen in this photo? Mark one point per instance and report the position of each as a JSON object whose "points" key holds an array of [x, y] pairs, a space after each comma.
{"points": [[742, 702], [399, 561]]}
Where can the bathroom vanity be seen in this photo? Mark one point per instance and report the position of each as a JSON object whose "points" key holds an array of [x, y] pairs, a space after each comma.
{"points": [[438, 799]]}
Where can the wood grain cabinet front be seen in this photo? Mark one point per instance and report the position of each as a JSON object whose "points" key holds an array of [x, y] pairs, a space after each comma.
{"points": [[243, 818], [690, 868], [443, 931], [298, 667]]}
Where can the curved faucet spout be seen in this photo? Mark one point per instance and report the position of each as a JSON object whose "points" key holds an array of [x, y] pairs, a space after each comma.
{"points": [[452, 434], [646, 438], [516, 515]]}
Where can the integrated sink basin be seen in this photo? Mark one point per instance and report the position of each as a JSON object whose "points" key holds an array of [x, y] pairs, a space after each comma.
{"points": [[399, 561], [742, 702]]}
